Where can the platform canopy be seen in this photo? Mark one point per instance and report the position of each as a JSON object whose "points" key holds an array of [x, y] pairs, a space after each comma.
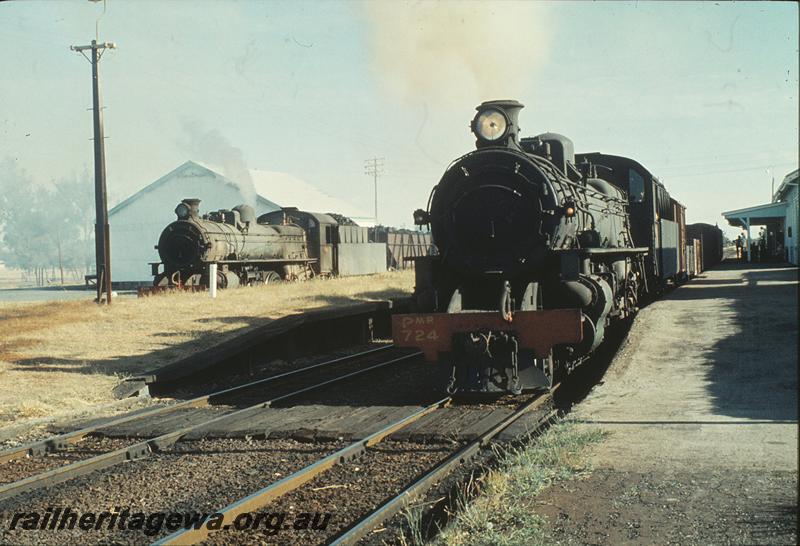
{"points": [[772, 215], [756, 216]]}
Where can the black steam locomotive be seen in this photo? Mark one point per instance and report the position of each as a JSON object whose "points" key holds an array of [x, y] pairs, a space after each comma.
{"points": [[283, 245], [540, 250]]}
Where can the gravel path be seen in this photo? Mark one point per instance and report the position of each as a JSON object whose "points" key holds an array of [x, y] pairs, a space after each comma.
{"points": [[700, 408], [673, 508]]}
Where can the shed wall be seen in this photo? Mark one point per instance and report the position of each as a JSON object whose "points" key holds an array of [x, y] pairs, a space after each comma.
{"points": [[135, 228]]}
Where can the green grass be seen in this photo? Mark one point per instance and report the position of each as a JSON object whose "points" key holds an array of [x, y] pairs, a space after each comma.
{"points": [[503, 513]]}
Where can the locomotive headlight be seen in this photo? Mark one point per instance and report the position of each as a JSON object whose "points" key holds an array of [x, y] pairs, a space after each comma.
{"points": [[490, 125], [421, 217], [182, 211]]}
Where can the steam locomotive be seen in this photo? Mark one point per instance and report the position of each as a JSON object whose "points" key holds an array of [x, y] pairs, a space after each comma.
{"points": [[540, 250], [283, 245]]}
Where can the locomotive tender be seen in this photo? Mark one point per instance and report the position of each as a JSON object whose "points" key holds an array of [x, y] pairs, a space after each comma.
{"points": [[539, 251]]}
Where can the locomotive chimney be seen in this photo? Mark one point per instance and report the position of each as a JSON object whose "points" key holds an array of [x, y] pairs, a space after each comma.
{"points": [[496, 123], [188, 208]]}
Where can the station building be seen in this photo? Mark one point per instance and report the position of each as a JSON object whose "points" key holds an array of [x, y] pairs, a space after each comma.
{"points": [[779, 219], [137, 222]]}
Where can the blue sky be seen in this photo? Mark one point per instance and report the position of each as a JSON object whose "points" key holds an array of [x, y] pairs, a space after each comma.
{"points": [[703, 94]]}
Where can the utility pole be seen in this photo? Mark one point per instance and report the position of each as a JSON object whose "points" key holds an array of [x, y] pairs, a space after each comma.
{"points": [[772, 174], [772, 193], [102, 244], [374, 168]]}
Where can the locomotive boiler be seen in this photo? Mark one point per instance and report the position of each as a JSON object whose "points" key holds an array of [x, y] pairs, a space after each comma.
{"points": [[535, 259], [246, 251]]}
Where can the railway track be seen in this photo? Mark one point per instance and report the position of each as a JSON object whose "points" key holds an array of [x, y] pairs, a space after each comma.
{"points": [[393, 460], [261, 498], [416, 490], [360, 526], [230, 404]]}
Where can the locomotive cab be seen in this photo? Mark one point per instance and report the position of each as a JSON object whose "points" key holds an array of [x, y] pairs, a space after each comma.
{"points": [[320, 230]]}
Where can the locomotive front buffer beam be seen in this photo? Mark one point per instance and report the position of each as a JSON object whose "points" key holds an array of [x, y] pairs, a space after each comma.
{"points": [[538, 331]]}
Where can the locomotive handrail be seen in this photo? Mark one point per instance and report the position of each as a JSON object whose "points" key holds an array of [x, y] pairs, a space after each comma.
{"points": [[605, 250], [268, 260]]}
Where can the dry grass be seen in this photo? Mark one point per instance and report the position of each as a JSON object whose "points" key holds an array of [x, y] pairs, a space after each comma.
{"points": [[504, 512], [62, 357]]}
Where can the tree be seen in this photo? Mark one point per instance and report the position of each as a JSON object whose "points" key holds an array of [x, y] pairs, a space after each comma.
{"points": [[45, 226]]}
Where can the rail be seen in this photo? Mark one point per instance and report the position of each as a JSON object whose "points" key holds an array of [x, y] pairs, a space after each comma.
{"points": [[394, 505], [290, 483], [365, 525]]}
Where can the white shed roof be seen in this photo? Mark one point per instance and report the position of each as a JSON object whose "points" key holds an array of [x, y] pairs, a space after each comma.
{"points": [[289, 191], [275, 189], [185, 167]]}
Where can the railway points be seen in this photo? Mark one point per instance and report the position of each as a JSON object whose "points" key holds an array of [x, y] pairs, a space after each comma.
{"points": [[295, 431], [701, 411], [181, 421]]}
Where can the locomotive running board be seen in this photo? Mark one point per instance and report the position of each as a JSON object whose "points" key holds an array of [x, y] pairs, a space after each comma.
{"points": [[538, 331]]}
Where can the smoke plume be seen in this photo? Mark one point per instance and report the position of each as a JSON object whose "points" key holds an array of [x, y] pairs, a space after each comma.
{"points": [[440, 51], [210, 146]]}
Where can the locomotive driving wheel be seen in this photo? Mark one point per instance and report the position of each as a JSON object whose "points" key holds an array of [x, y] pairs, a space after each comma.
{"points": [[272, 277]]}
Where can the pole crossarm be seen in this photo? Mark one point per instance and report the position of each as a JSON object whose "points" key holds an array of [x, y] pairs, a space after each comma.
{"points": [[94, 45], [100, 48], [374, 167]]}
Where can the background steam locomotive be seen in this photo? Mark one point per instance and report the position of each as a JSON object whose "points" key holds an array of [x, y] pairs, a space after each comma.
{"points": [[287, 244], [540, 250]]}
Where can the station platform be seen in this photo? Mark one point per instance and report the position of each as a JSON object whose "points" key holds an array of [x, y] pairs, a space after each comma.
{"points": [[700, 414]]}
